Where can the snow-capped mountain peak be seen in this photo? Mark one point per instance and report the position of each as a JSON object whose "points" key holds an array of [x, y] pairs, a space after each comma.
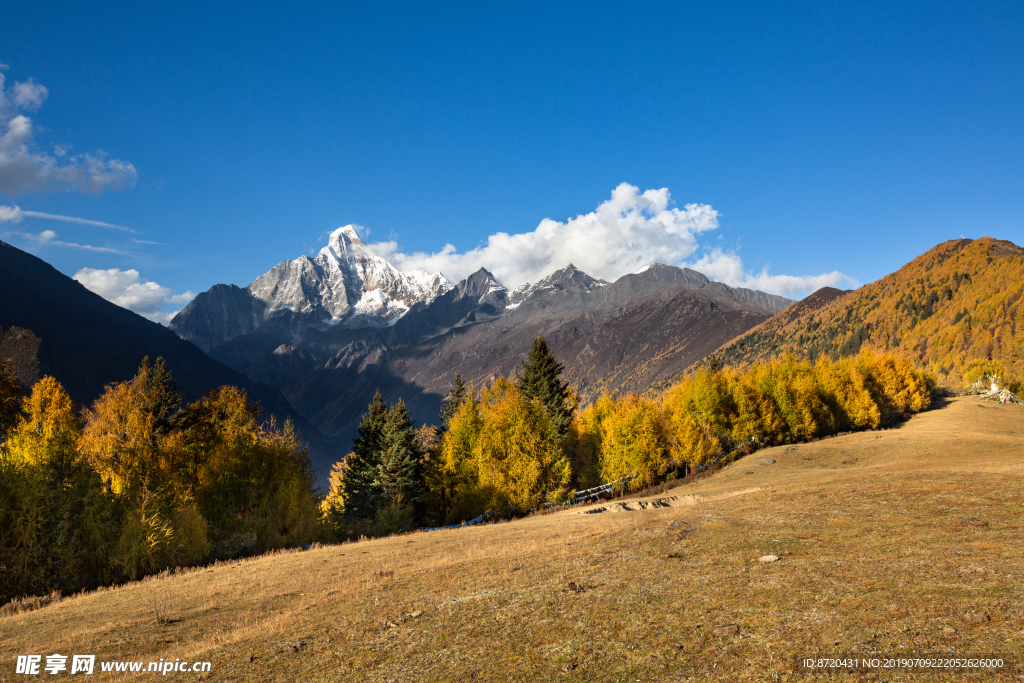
{"points": [[342, 245], [345, 283]]}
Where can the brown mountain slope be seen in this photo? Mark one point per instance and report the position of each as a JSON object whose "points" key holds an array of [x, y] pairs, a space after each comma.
{"points": [[623, 349], [957, 303]]}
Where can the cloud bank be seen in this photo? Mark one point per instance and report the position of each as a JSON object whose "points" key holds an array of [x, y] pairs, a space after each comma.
{"points": [[128, 289], [24, 167], [630, 230], [728, 268]]}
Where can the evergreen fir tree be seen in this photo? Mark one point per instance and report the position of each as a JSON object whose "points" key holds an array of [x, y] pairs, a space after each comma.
{"points": [[168, 400], [398, 470], [362, 495], [456, 395], [542, 381], [10, 398]]}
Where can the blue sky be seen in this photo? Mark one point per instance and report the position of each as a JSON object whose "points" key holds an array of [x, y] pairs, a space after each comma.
{"points": [[827, 138]]}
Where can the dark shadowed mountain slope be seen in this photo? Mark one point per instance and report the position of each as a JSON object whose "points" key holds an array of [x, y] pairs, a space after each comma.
{"points": [[959, 302], [86, 342]]}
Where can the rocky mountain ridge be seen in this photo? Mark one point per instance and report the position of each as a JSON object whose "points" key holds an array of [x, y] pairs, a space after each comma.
{"points": [[345, 284]]}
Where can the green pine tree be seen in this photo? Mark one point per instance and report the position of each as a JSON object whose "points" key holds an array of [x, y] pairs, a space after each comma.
{"points": [[542, 381], [10, 398], [398, 471], [361, 494], [169, 401], [456, 395]]}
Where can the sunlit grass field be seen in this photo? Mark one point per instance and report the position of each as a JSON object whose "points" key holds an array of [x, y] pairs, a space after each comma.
{"points": [[890, 544]]}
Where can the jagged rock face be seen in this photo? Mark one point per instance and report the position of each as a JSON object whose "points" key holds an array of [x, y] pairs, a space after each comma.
{"points": [[345, 284], [221, 313], [570, 279]]}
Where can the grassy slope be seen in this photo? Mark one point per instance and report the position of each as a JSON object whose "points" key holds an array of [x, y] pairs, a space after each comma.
{"points": [[876, 555], [979, 317]]}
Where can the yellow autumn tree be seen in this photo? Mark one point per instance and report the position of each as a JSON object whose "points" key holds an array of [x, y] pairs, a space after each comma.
{"points": [[632, 442], [56, 522], [332, 507], [120, 438], [757, 416], [517, 451], [48, 433], [584, 443], [499, 450]]}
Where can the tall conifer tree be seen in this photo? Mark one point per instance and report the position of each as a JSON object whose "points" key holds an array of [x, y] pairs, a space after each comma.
{"points": [[10, 397], [362, 495], [452, 402], [167, 400], [542, 381], [398, 470]]}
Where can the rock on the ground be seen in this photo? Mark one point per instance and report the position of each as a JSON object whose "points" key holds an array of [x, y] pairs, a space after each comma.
{"points": [[765, 559]]}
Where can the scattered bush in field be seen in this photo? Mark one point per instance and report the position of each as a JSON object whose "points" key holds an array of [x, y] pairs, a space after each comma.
{"points": [[29, 603]]}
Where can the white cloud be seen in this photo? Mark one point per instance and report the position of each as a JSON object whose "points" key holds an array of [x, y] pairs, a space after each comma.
{"points": [[10, 214], [24, 167], [29, 95], [15, 214], [49, 238], [625, 233], [728, 268], [128, 289]]}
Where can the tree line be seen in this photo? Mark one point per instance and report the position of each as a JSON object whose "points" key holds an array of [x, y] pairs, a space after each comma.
{"points": [[523, 443], [141, 481]]}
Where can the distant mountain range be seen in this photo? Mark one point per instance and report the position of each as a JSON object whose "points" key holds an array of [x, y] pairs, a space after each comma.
{"points": [[329, 331], [52, 325], [959, 302]]}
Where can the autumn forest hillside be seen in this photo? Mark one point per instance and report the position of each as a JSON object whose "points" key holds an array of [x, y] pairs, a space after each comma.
{"points": [[956, 311]]}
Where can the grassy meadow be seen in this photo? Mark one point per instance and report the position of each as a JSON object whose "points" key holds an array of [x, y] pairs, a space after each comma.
{"points": [[890, 543]]}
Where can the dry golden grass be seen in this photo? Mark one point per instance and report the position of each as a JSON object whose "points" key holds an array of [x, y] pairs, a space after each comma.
{"points": [[880, 551]]}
